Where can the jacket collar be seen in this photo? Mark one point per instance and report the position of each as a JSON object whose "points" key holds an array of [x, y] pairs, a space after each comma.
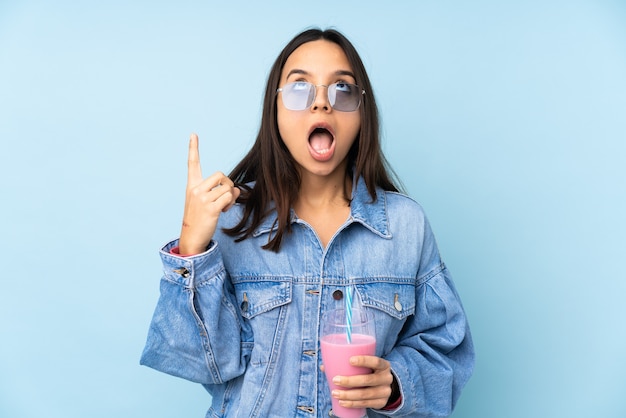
{"points": [[372, 215]]}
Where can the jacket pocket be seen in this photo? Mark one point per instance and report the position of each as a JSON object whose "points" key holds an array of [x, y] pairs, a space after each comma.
{"points": [[264, 304], [392, 298], [391, 304], [260, 296]]}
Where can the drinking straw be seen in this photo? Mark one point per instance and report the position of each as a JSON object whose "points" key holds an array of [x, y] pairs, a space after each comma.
{"points": [[349, 314]]}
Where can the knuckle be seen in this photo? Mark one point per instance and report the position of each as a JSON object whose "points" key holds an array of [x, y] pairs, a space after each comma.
{"points": [[389, 379], [367, 381], [368, 393], [214, 208], [203, 198], [193, 192]]}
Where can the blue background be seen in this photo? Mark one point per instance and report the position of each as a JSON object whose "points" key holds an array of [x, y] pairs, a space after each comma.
{"points": [[506, 120]]}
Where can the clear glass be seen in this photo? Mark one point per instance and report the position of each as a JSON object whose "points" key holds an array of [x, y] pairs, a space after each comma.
{"points": [[300, 95], [337, 350]]}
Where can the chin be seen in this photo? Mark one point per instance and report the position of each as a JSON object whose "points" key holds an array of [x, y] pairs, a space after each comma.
{"points": [[324, 169]]}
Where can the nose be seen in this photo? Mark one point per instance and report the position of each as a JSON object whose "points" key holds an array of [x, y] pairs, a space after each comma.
{"points": [[321, 99]]}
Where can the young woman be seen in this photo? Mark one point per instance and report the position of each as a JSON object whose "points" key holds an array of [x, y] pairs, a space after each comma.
{"points": [[309, 212]]}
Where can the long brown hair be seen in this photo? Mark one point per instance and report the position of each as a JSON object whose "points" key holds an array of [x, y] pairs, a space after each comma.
{"points": [[272, 168]]}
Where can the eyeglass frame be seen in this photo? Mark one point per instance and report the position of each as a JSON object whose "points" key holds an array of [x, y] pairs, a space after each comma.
{"points": [[280, 89]]}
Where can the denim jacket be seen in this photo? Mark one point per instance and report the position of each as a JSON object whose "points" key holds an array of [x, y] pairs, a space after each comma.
{"points": [[245, 322]]}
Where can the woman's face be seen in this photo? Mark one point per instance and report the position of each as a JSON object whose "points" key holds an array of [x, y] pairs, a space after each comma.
{"points": [[319, 137]]}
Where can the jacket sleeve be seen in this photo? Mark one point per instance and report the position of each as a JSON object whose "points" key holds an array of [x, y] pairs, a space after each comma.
{"points": [[196, 331], [434, 356]]}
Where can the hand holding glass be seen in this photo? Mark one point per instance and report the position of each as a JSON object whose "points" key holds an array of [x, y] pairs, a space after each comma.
{"points": [[341, 340]]}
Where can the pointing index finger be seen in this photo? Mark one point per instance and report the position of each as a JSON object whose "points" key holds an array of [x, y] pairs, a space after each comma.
{"points": [[194, 172]]}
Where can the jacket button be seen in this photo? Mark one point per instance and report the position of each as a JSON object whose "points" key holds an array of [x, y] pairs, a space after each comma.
{"points": [[397, 303], [244, 304], [337, 295], [183, 272]]}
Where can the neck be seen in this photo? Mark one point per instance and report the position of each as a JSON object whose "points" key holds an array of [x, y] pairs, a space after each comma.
{"points": [[324, 191]]}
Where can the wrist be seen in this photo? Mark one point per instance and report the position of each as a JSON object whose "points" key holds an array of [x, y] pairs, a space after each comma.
{"points": [[188, 252], [191, 248]]}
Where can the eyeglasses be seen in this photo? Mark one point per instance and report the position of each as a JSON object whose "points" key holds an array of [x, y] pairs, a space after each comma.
{"points": [[300, 95]]}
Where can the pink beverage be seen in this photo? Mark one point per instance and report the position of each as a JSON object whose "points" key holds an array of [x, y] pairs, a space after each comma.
{"points": [[336, 353]]}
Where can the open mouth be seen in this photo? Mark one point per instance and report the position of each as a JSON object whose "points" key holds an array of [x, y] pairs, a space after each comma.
{"points": [[321, 141]]}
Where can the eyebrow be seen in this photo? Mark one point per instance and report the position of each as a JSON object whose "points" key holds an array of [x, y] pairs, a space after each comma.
{"points": [[337, 73]]}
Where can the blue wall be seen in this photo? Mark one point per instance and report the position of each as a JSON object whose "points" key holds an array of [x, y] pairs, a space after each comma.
{"points": [[506, 121]]}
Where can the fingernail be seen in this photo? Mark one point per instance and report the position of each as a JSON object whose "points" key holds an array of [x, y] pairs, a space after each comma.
{"points": [[336, 380], [335, 393]]}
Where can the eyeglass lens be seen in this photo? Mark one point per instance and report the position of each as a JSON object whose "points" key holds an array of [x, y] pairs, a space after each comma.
{"points": [[341, 96]]}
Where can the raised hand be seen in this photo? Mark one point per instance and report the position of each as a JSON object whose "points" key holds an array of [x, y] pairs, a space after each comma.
{"points": [[205, 200]]}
